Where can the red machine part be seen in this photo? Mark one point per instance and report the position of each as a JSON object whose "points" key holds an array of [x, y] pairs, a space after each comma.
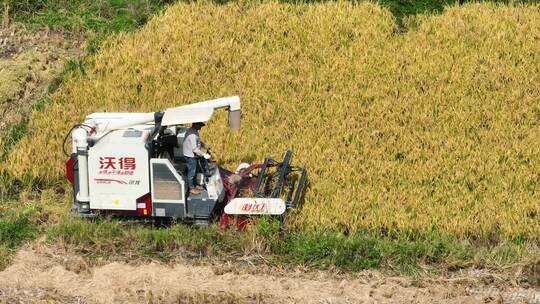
{"points": [[246, 182], [70, 164], [144, 205]]}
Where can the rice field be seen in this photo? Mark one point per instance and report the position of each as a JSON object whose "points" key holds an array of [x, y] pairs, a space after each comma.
{"points": [[430, 129]]}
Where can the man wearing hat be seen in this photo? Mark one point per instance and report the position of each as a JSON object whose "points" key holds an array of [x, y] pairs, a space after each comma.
{"points": [[192, 149]]}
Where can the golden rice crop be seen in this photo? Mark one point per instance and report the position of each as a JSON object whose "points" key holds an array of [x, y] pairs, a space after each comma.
{"points": [[433, 129]]}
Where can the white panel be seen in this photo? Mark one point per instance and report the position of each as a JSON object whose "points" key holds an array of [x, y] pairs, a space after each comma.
{"points": [[185, 115], [231, 102], [160, 211], [215, 186], [118, 172], [255, 206], [116, 121]]}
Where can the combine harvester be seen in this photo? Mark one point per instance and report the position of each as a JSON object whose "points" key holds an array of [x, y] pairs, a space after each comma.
{"points": [[131, 164]]}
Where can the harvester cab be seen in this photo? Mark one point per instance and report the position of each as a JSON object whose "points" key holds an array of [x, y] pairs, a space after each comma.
{"points": [[131, 164]]}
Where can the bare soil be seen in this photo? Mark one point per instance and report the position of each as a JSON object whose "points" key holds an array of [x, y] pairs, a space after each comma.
{"points": [[48, 276], [29, 61]]}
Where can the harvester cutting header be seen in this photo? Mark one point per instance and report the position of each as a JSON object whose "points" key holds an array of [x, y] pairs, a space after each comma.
{"points": [[153, 165]]}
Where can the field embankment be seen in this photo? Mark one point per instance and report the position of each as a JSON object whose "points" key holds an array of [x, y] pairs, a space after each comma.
{"points": [[49, 276], [31, 64], [41, 42], [403, 134]]}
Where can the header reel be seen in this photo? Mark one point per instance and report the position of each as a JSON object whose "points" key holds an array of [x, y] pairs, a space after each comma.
{"points": [[270, 188]]}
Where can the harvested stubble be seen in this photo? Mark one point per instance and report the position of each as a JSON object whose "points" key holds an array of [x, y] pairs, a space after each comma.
{"points": [[433, 129]]}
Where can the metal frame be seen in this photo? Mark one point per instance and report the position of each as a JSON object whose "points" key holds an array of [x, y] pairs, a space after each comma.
{"points": [[284, 175]]}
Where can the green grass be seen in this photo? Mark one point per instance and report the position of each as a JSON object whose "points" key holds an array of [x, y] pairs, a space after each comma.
{"points": [[405, 8], [99, 16], [316, 250], [95, 19], [108, 16], [105, 237], [25, 217], [14, 133], [365, 250], [44, 217], [13, 233]]}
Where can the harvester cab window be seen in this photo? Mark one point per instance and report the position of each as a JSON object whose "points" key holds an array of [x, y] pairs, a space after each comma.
{"points": [[171, 143]]}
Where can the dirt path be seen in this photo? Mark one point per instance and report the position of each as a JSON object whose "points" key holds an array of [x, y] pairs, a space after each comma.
{"points": [[36, 277]]}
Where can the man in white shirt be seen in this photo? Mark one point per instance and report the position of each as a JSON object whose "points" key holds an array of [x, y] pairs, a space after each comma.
{"points": [[192, 150]]}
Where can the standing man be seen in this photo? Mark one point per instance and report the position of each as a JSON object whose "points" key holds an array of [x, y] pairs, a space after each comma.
{"points": [[192, 150]]}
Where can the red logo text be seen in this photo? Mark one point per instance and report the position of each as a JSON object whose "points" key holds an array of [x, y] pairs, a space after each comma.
{"points": [[253, 207], [111, 165]]}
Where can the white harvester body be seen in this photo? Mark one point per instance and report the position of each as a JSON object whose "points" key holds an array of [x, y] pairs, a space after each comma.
{"points": [[132, 164], [118, 170]]}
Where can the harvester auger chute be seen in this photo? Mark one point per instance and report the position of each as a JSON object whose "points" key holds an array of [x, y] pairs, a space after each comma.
{"points": [[257, 189]]}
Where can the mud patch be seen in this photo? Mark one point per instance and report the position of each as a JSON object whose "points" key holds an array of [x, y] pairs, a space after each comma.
{"points": [[187, 283], [29, 61]]}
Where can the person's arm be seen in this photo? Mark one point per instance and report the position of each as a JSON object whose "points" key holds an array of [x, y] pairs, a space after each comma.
{"points": [[197, 150]]}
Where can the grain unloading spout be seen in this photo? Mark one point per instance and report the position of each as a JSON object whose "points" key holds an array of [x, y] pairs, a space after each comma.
{"points": [[203, 111], [186, 114]]}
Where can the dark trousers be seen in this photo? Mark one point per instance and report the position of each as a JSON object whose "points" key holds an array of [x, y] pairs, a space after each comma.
{"points": [[191, 164]]}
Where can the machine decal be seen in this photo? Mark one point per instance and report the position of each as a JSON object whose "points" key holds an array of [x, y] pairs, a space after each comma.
{"points": [[109, 180], [253, 207], [250, 206], [110, 165]]}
